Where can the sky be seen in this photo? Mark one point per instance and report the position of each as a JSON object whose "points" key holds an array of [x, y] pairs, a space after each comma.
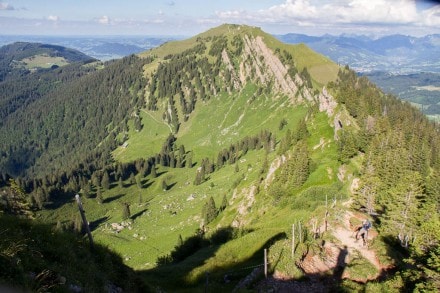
{"points": [[190, 17]]}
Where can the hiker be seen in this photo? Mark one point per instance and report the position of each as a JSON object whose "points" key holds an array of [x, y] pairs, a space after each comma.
{"points": [[363, 231]]}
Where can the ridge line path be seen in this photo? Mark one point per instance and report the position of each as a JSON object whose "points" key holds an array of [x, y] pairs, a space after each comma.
{"points": [[346, 236]]}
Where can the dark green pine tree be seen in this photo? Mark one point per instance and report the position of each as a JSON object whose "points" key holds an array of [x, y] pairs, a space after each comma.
{"points": [[139, 181], [224, 203], [402, 208], [347, 146], [153, 171], [125, 211], [15, 202], [137, 123], [297, 168], [86, 189], [285, 143], [368, 192], [210, 211], [301, 131], [189, 161], [99, 198], [105, 182], [200, 175], [132, 179]]}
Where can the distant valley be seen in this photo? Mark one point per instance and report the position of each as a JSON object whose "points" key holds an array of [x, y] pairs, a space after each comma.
{"points": [[397, 54]]}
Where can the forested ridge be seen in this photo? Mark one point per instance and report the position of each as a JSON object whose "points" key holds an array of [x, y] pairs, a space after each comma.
{"points": [[69, 116], [399, 176], [233, 118]]}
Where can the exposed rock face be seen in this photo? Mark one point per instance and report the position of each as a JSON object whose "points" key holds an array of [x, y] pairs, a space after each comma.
{"points": [[327, 103], [260, 64]]}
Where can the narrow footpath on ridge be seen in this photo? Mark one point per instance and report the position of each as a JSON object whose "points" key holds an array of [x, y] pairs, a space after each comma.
{"points": [[347, 236]]}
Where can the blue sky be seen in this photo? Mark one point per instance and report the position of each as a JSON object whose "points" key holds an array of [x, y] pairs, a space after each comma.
{"points": [[189, 17]]}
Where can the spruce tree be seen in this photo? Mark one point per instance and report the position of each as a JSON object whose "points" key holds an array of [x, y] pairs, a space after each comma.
{"points": [[105, 182], [210, 211], [139, 181], [125, 211], [224, 203], [99, 198], [401, 205], [153, 171]]}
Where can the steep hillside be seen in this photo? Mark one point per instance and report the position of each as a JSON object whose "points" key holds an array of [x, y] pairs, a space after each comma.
{"points": [[54, 122], [230, 143]]}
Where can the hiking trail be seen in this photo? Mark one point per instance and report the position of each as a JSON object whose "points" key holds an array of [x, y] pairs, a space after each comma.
{"points": [[346, 235]]}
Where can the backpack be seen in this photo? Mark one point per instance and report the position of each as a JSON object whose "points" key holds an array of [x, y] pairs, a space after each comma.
{"points": [[367, 225]]}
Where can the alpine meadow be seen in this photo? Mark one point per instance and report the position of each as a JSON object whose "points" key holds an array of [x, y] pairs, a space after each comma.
{"points": [[226, 162]]}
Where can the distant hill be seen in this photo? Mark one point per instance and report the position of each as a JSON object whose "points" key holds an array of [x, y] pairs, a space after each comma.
{"points": [[121, 49], [21, 58], [397, 54], [100, 47]]}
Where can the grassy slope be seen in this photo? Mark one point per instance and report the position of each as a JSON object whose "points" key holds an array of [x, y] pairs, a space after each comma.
{"points": [[42, 61], [164, 215]]}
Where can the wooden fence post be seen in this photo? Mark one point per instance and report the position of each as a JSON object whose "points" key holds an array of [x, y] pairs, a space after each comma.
{"points": [[326, 213], [83, 216], [293, 241], [265, 263]]}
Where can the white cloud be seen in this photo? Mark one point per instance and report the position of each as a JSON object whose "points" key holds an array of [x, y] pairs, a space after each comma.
{"points": [[346, 11], [6, 6], [53, 18], [104, 19], [431, 16], [342, 13]]}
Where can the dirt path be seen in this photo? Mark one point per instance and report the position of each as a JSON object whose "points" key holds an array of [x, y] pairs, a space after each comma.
{"points": [[347, 237]]}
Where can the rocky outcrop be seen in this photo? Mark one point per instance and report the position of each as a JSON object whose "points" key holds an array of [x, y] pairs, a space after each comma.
{"points": [[259, 63], [327, 103]]}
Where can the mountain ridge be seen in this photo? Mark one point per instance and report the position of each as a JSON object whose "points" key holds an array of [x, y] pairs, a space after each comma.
{"points": [[233, 144]]}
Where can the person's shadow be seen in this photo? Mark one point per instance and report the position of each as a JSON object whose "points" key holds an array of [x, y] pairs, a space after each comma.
{"points": [[340, 265]]}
